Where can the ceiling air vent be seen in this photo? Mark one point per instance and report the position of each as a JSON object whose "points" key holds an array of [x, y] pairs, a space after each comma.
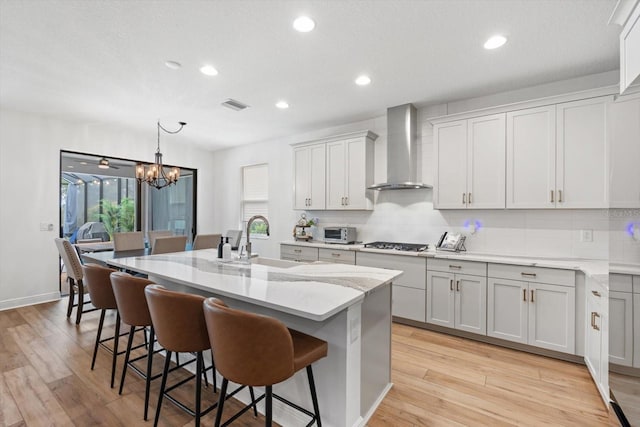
{"points": [[234, 105]]}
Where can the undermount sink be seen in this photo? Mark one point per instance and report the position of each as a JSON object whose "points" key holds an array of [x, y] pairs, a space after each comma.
{"points": [[269, 262]]}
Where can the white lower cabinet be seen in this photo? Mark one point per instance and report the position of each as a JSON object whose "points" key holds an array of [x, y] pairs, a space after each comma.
{"points": [[621, 328], [408, 290], [298, 253], [538, 314], [596, 336], [457, 301], [636, 328]]}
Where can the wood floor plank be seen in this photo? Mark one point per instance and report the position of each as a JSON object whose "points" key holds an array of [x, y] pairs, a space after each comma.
{"points": [[48, 365], [40, 324], [9, 413], [35, 400]]}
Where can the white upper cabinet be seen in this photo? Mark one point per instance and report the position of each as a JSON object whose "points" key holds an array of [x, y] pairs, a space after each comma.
{"points": [[623, 125], [630, 50], [582, 154], [470, 163], [531, 167], [557, 156], [309, 177], [334, 172], [349, 173]]}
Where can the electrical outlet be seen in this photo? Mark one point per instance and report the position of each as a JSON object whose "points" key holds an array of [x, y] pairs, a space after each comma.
{"points": [[586, 235], [46, 226]]}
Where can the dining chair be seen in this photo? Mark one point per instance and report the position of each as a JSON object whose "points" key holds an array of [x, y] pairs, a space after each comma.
{"points": [[255, 350], [154, 234], [75, 275], [206, 241], [165, 245], [128, 241]]}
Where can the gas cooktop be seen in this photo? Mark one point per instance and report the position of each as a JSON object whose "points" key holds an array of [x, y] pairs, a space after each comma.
{"points": [[409, 247]]}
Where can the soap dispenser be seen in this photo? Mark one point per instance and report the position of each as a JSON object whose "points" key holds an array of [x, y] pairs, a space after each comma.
{"points": [[220, 245], [226, 250]]}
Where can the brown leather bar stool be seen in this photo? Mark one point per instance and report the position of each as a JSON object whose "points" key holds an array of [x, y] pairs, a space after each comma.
{"points": [[256, 350], [179, 324], [133, 309], [99, 284]]}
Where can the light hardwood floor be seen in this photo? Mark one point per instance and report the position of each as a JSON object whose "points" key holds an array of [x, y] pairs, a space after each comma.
{"points": [[438, 380]]}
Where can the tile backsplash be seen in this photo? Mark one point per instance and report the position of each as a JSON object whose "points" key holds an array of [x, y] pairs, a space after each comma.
{"points": [[408, 216]]}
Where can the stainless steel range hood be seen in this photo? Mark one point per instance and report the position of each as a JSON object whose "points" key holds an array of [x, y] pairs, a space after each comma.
{"points": [[402, 150]]}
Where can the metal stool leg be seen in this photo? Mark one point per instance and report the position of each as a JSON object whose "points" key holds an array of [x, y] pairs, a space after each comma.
{"points": [[199, 360], [132, 331], [163, 384], [268, 406], [253, 400], [223, 393], [314, 396], [95, 349], [149, 366], [116, 338]]}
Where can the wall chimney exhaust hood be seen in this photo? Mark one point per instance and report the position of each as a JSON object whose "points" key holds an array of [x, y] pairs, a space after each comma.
{"points": [[402, 150]]}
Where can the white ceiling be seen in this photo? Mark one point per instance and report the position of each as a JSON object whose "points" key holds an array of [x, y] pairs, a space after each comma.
{"points": [[103, 60]]}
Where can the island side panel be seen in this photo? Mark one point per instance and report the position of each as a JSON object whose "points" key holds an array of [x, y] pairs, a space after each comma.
{"points": [[376, 349]]}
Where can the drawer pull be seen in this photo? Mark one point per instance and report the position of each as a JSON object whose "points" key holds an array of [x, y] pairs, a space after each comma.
{"points": [[469, 198], [458, 285], [560, 196], [528, 274], [551, 196], [595, 326], [455, 266], [532, 300], [451, 284], [346, 201], [524, 295], [297, 251], [335, 254], [464, 198], [596, 293]]}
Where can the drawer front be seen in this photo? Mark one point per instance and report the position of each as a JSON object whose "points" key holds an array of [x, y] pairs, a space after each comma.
{"points": [[621, 283], [455, 266], [298, 253], [337, 255], [408, 303], [533, 274], [415, 274]]}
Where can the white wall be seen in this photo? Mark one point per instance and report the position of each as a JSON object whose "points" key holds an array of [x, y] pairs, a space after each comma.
{"points": [[29, 189], [408, 215]]}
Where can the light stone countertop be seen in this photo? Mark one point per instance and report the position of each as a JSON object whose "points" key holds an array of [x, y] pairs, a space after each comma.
{"points": [[314, 291], [625, 268]]}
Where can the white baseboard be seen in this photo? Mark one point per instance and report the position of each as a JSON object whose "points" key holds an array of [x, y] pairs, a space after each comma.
{"points": [[31, 300], [375, 405]]}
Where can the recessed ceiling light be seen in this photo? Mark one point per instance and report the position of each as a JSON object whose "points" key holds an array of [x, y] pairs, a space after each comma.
{"points": [[173, 65], [363, 80], [83, 163], [282, 105], [495, 42], [208, 70], [304, 24], [70, 167]]}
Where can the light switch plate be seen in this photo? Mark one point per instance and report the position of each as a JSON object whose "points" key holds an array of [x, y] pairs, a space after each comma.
{"points": [[586, 235]]}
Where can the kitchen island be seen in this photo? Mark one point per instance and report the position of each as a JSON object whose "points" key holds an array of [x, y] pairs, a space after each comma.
{"points": [[348, 306]]}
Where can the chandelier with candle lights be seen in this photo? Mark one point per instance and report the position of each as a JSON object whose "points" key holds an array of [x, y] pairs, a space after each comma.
{"points": [[155, 174]]}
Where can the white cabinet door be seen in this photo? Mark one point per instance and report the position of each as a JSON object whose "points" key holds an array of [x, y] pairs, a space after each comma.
{"points": [[450, 187], [621, 328], [552, 317], [336, 175], [623, 124], [593, 342], [440, 299], [356, 174], [470, 306], [408, 303], [630, 51], [636, 329], [531, 166], [507, 309], [486, 162], [309, 177], [582, 179]]}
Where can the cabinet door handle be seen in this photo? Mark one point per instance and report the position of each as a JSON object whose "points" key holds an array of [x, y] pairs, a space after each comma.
{"points": [[593, 318], [532, 300], [450, 284], [559, 196], [455, 266], [464, 198], [346, 201], [595, 326], [309, 201], [528, 274], [469, 198], [551, 196], [335, 254], [458, 285], [342, 201], [524, 295], [596, 293]]}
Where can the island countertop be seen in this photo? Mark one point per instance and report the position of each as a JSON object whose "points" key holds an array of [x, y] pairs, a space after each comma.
{"points": [[314, 291]]}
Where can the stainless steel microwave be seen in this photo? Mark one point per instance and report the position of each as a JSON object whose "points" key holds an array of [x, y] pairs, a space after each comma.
{"points": [[344, 235]]}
